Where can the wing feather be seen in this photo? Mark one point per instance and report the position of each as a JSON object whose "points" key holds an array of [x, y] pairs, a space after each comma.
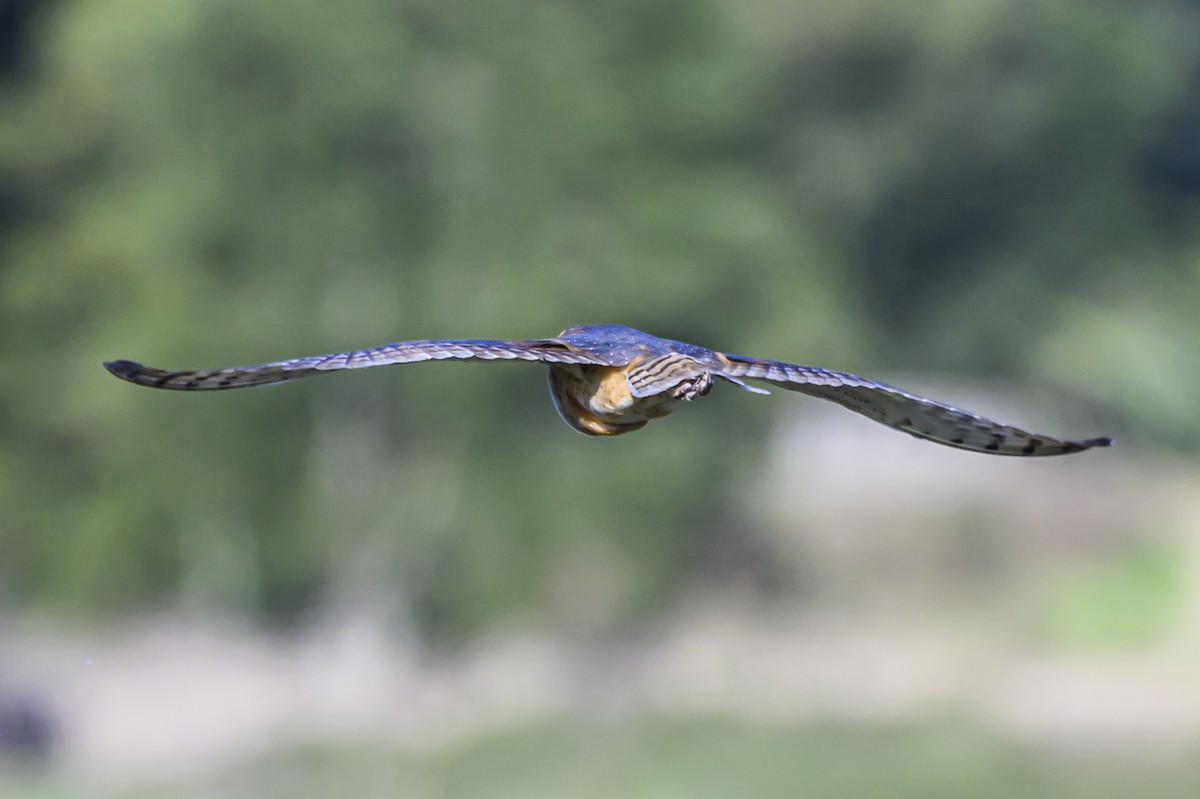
{"points": [[917, 416], [544, 350]]}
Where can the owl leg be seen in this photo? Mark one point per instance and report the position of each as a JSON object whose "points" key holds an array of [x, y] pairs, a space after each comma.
{"points": [[694, 387]]}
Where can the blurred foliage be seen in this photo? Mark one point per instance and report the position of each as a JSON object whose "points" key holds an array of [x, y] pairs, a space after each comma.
{"points": [[998, 187]]}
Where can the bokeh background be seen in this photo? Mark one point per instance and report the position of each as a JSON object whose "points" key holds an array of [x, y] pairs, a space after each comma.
{"points": [[418, 582]]}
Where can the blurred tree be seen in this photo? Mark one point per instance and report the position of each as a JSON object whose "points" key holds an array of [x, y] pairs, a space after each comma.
{"points": [[206, 182], [978, 160]]}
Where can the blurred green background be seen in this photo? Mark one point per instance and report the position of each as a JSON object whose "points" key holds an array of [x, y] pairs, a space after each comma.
{"points": [[1005, 192]]}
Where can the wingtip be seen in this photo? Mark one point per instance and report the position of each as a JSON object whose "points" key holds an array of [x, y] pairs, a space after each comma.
{"points": [[122, 368], [1102, 441]]}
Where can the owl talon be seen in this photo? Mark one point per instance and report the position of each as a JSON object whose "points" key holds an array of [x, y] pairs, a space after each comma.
{"points": [[691, 389]]}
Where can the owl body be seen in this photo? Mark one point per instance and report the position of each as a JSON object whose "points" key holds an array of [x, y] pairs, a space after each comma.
{"points": [[596, 400]]}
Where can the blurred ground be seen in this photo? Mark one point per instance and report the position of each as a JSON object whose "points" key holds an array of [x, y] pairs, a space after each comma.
{"points": [[1010, 671]]}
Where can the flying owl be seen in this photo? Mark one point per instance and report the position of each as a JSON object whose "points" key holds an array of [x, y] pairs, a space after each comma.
{"points": [[607, 379]]}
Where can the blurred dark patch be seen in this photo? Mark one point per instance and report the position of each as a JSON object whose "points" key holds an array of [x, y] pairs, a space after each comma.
{"points": [[17, 19], [1170, 168], [643, 32], [839, 77], [736, 554], [1013, 53], [27, 729], [387, 154], [13, 204], [16, 35], [31, 195], [245, 61], [671, 28], [929, 231]]}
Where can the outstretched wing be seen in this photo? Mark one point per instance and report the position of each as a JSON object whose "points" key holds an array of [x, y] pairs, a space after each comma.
{"points": [[914, 415], [545, 350]]}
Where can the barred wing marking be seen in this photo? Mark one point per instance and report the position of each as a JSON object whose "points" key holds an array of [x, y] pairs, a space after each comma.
{"points": [[545, 350], [662, 373], [917, 416]]}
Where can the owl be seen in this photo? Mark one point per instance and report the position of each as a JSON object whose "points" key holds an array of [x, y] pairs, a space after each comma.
{"points": [[606, 380]]}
